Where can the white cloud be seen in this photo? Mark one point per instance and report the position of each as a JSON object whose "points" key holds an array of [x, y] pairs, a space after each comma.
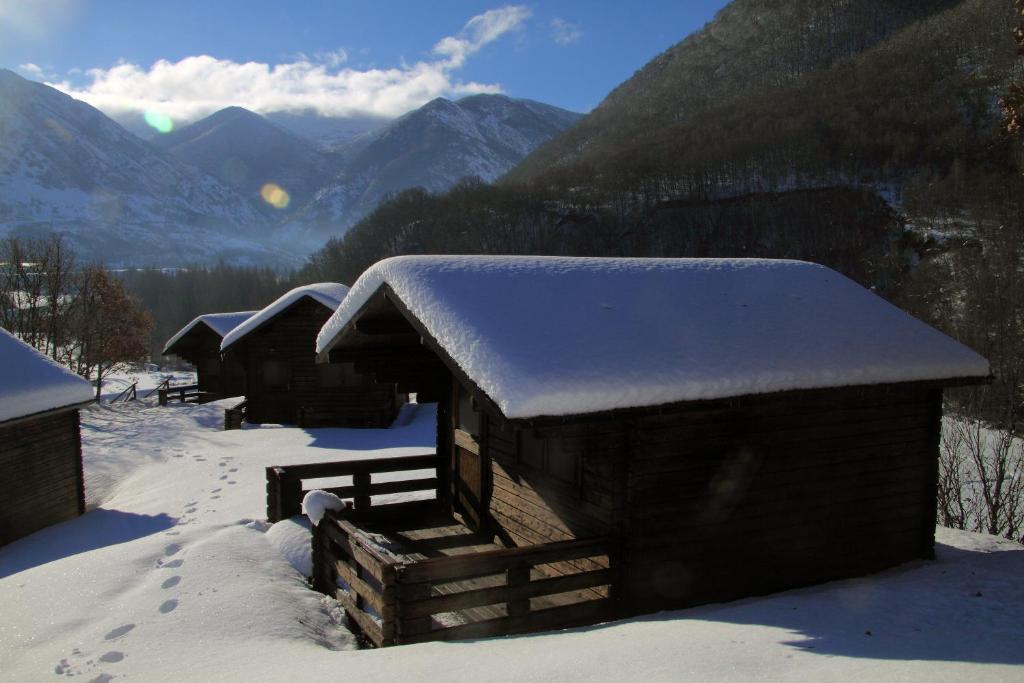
{"points": [[564, 32], [197, 86], [31, 69]]}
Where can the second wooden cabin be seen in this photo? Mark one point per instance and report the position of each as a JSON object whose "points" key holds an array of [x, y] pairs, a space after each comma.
{"points": [[198, 343], [729, 427], [284, 385]]}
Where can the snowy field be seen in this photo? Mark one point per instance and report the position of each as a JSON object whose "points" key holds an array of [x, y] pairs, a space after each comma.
{"points": [[172, 575]]}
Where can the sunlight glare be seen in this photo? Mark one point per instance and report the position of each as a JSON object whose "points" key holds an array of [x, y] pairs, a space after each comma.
{"points": [[275, 195], [159, 121]]}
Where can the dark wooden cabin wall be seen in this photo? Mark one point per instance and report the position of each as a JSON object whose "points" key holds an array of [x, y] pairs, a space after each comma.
{"points": [[41, 471], [201, 347], [291, 336], [766, 494], [530, 506]]}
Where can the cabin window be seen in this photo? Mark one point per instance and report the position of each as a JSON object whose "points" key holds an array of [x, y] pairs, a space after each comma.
{"points": [[334, 375], [468, 418], [548, 456], [276, 373]]}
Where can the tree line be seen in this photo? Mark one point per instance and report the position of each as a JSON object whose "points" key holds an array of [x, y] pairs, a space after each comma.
{"points": [[77, 314]]}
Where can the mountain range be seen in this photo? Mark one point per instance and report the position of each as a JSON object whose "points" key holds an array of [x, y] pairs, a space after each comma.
{"points": [[199, 193]]}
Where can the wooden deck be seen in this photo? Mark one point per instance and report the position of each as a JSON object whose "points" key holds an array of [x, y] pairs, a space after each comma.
{"points": [[412, 572]]}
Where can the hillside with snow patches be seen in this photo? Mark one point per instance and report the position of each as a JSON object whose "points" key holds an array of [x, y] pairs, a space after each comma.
{"points": [[65, 167], [172, 574], [433, 147], [194, 194]]}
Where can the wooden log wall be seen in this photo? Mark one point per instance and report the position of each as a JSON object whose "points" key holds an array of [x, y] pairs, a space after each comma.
{"points": [[736, 499], [532, 507], [292, 336], [41, 474]]}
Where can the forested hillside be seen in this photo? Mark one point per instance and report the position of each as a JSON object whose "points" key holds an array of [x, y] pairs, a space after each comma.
{"points": [[862, 135]]}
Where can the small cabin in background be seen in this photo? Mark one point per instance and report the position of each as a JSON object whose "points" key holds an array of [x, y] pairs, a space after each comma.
{"points": [[198, 343], [41, 479], [283, 384], [623, 436]]}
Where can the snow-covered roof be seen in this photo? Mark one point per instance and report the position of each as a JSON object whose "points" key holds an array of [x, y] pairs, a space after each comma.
{"points": [[330, 294], [31, 383], [565, 336], [220, 323]]}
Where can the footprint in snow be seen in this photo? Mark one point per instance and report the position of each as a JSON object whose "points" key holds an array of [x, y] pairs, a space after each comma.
{"points": [[102, 678], [118, 632], [173, 564], [112, 657], [223, 477], [216, 490], [190, 510], [233, 469], [232, 481], [168, 606], [171, 582], [171, 549], [222, 464]]}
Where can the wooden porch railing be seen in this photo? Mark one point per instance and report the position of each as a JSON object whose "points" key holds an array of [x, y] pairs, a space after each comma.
{"points": [[393, 602], [285, 488], [186, 393], [235, 415]]}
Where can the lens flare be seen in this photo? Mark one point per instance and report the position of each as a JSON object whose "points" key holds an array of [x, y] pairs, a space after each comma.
{"points": [[275, 195], [159, 121]]}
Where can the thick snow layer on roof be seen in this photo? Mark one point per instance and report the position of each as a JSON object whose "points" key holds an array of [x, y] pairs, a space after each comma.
{"points": [[564, 336], [221, 323], [330, 294], [32, 383]]}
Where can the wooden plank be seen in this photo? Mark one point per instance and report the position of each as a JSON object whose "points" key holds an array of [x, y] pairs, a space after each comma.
{"points": [[491, 562], [382, 601], [388, 487], [467, 441], [672, 460], [370, 628], [369, 559], [500, 594], [348, 467]]}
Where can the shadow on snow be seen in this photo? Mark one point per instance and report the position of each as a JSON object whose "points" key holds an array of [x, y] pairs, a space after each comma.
{"points": [[96, 529]]}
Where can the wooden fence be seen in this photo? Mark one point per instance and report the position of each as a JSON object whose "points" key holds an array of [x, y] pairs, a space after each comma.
{"points": [[285, 488], [396, 602], [186, 393]]}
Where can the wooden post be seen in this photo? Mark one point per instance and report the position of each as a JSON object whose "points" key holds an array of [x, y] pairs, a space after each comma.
{"points": [[322, 573], [407, 628], [162, 396], [517, 576], [284, 495], [361, 482]]}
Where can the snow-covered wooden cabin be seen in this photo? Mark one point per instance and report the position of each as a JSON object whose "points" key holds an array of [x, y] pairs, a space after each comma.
{"points": [[633, 434], [284, 384], [40, 443], [198, 343]]}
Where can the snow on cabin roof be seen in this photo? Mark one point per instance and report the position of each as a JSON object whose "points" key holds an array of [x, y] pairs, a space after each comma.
{"points": [[31, 383], [566, 336], [220, 323], [330, 294]]}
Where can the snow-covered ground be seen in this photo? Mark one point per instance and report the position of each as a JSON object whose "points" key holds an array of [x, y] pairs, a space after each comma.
{"points": [[172, 575]]}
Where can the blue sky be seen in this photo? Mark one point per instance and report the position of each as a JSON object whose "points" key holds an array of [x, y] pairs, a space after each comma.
{"points": [[341, 58]]}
